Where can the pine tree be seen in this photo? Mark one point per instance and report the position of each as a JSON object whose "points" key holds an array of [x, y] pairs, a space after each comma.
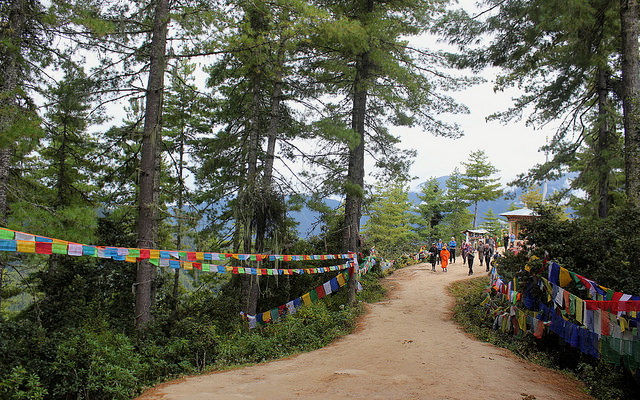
{"points": [[478, 181], [389, 225], [430, 210], [493, 224], [456, 206]]}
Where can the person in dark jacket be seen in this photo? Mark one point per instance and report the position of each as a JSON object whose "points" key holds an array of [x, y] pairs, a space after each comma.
{"points": [[434, 254], [488, 255], [470, 256]]}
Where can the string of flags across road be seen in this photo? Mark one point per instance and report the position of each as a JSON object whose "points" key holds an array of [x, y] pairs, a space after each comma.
{"points": [[21, 242]]}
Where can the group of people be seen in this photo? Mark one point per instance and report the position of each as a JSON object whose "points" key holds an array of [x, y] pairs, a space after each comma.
{"points": [[486, 253], [439, 253], [442, 254]]}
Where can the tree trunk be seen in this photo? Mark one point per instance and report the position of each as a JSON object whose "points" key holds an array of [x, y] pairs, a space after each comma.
{"points": [[9, 84], [249, 203], [603, 144], [147, 226], [631, 98], [180, 206], [475, 214], [355, 174], [267, 173]]}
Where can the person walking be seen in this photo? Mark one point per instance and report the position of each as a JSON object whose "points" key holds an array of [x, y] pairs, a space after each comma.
{"points": [[452, 249], [470, 257], [488, 255], [439, 245], [433, 256], [464, 251], [444, 258]]}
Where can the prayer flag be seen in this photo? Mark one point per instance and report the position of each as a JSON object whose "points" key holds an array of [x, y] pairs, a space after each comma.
{"points": [[43, 248], [327, 288], [59, 248], [565, 277], [24, 236], [75, 249], [25, 246], [8, 245]]}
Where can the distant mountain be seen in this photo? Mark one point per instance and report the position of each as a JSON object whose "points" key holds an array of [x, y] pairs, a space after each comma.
{"points": [[307, 219]]}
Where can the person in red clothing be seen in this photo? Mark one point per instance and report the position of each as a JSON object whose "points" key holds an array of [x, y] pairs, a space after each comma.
{"points": [[444, 258]]}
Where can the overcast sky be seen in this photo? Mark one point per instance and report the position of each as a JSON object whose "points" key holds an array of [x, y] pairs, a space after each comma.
{"points": [[512, 148]]}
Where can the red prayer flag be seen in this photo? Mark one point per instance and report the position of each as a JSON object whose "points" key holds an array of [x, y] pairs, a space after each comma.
{"points": [[320, 291], [43, 248], [144, 253]]}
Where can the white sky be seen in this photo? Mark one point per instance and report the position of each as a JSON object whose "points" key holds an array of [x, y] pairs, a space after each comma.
{"points": [[512, 149]]}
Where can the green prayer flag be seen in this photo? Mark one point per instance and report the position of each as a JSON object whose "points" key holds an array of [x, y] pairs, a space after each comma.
{"points": [[314, 296], [609, 294], [134, 253], [6, 234], [59, 248]]}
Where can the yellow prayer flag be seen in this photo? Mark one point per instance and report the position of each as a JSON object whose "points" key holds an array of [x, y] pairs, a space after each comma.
{"points": [[199, 255], [580, 310], [266, 316], [26, 246], [565, 277], [154, 253], [341, 280], [306, 298]]}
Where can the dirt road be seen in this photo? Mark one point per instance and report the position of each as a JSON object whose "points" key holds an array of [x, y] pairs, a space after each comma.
{"points": [[406, 347]]}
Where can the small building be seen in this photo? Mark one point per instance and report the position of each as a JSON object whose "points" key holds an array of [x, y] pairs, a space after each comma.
{"points": [[515, 219], [472, 235]]}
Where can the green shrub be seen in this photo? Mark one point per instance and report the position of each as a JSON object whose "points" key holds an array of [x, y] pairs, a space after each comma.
{"points": [[20, 384], [94, 364], [310, 328]]}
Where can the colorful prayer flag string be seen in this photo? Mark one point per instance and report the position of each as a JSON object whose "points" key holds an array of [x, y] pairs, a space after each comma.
{"points": [[605, 326], [21, 242], [292, 306]]}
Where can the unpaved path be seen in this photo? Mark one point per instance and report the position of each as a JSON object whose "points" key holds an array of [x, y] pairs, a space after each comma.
{"points": [[406, 347]]}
